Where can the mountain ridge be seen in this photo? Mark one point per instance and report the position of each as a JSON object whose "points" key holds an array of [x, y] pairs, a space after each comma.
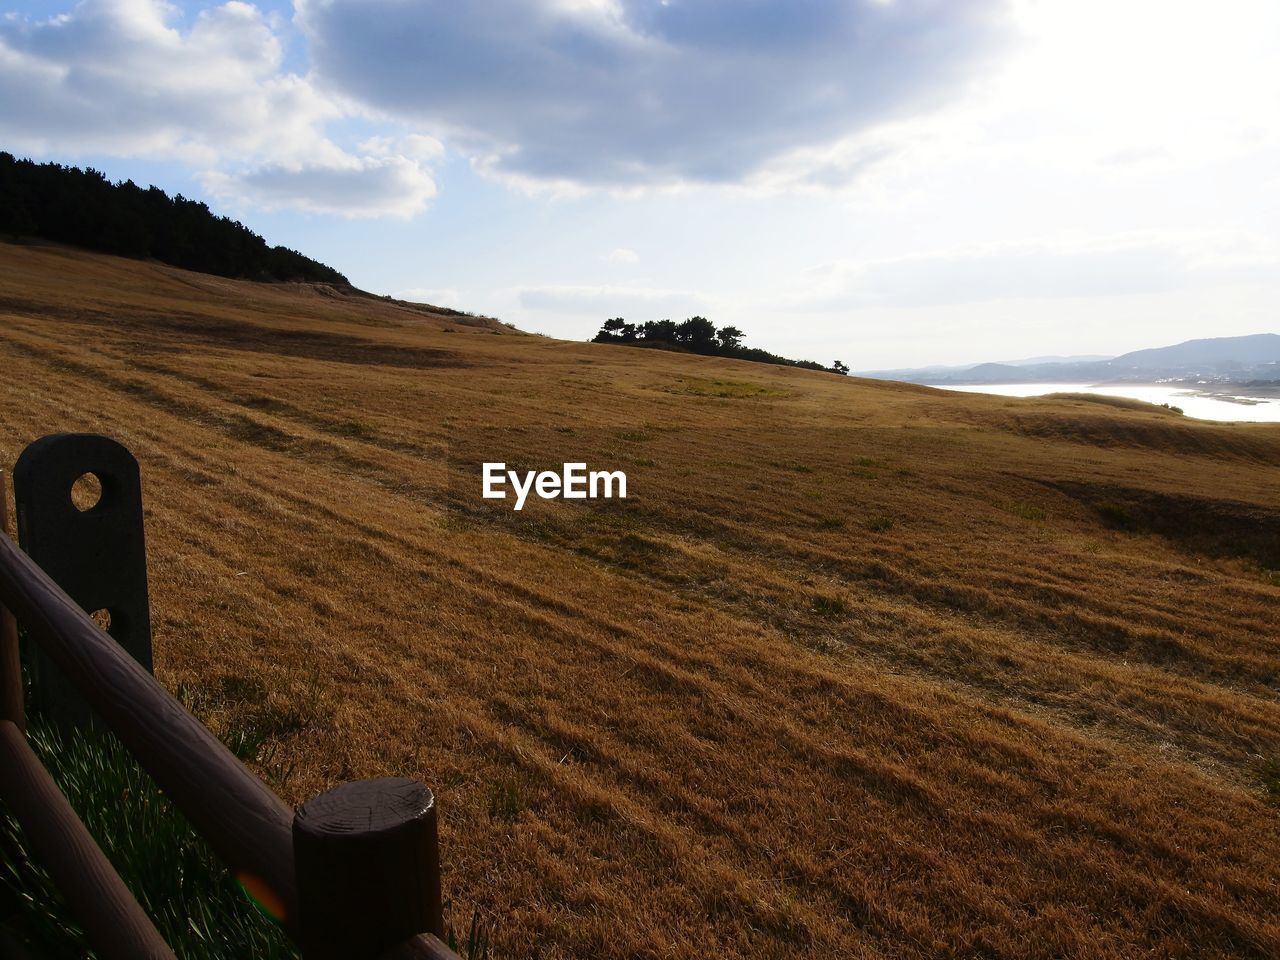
{"points": [[1241, 359]]}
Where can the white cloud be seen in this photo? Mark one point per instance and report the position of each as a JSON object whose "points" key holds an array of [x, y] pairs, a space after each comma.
{"points": [[641, 303], [367, 187], [128, 78], [415, 147], [1098, 267], [626, 92], [621, 255], [115, 76]]}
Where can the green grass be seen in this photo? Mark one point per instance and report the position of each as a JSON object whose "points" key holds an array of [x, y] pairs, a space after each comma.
{"points": [[195, 904]]}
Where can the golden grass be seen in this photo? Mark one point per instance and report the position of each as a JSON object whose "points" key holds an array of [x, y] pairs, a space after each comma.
{"points": [[859, 669]]}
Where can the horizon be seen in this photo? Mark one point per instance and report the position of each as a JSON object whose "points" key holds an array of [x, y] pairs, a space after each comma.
{"points": [[1067, 358], [1020, 178]]}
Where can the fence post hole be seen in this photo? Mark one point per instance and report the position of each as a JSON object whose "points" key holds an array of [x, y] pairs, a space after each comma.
{"points": [[368, 869], [94, 551], [11, 706]]}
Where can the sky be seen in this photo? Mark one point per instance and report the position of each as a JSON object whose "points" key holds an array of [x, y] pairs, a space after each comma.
{"points": [[890, 183]]}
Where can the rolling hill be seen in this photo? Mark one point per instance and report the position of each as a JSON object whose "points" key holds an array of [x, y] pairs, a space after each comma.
{"points": [[1219, 359], [858, 669]]}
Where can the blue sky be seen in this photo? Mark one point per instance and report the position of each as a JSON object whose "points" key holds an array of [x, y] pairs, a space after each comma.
{"points": [[889, 182]]}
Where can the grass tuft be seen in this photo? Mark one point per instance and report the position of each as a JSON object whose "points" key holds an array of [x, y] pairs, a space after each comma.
{"points": [[830, 606], [1269, 775], [357, 429], [507, 800], [1028, 511], [475, 945]]}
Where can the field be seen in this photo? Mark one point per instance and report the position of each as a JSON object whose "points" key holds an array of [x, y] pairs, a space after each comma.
{"points": [[857, 669]]}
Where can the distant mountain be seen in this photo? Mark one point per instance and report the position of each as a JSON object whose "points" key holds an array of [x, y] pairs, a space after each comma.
{"points": [[1208, 355], [1216, 359], [1074, 359]]}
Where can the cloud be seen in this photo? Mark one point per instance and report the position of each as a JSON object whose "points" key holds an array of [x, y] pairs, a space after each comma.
{"points": [[368, 187], [135, 78], [1106, 267], [621, 255], [117, 76], [642, 303], [637, 92]]}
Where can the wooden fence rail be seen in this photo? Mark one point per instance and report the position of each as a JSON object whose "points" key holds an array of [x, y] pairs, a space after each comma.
{"points": [[111, 917], [353, 875]]}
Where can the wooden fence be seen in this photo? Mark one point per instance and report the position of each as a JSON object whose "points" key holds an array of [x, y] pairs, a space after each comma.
{"points": [[352, 874]]}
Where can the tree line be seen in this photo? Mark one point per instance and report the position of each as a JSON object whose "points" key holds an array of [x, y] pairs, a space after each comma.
{"points": [[698, 335], [83, 208]]}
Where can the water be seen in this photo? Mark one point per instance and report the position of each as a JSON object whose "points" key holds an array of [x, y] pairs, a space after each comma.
{"points": [[1204, 406]]}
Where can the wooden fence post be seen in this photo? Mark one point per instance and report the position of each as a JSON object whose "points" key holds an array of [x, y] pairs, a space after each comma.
{"points": [[96, 555], [11, 705], [368, 869]]}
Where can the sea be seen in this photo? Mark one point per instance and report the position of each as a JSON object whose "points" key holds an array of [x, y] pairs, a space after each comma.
{"points": [[1208, 403]]}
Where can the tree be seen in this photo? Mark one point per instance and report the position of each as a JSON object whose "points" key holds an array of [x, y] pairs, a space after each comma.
{"points": [[840, 367], [730, 338], [617, 330], [660, 331], [85, 209], [698, 334]]}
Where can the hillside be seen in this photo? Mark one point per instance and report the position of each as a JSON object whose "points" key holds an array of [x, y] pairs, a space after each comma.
{"points": [[859, 669]]}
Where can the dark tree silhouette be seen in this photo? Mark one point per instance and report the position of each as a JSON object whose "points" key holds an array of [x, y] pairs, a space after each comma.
{"points": [[661, 331], [730, 338], [85, 209], [696, 335]]}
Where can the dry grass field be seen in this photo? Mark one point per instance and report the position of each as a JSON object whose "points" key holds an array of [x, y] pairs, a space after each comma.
{"points": [[857, 670]]}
